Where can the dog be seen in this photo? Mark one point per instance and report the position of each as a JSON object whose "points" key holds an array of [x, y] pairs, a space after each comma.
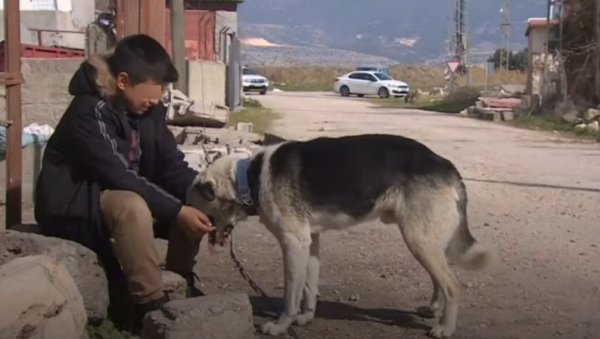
{"points": [[301, 188], [412, 95]]}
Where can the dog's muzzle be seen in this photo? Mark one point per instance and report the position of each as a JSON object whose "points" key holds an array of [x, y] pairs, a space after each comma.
{"points": [[215, 238]]}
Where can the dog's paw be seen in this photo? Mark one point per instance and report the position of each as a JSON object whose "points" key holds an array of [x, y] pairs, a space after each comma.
{"points": [[305, 318], [272, 328], [441, 331]]}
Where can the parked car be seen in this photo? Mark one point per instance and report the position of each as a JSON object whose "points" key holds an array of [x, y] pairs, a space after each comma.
{"points": [[374, 68], [370, 83], [254, 82]]}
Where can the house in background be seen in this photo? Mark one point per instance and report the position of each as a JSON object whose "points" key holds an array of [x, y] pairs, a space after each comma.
{"points": [[537, 35], [214, 55]]}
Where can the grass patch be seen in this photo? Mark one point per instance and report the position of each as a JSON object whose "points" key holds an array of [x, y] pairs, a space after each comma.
{"points": [[453, 103], [108, 330], [303, 87], [552, 122], [321, 78], [261, 117]]}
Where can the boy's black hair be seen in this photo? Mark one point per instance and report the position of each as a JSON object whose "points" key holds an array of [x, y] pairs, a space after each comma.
{"points": [[143, 59]]}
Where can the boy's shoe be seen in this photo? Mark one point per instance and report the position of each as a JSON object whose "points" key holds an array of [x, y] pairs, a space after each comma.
{"points": [[142, 309], [190, 279]]}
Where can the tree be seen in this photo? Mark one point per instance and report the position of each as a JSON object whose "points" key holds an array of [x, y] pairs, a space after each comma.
{"points": [[517, 61]]}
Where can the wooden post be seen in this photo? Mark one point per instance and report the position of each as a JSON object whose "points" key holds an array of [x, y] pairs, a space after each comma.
{"points": [[178, 43], [597, 57], [14, 157]]}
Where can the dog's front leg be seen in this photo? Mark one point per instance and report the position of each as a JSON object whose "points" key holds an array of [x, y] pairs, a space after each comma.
{"points": [[295, 247], [311, 288]]}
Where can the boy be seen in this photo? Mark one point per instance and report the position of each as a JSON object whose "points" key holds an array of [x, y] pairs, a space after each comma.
{"points": [[112, 169]]}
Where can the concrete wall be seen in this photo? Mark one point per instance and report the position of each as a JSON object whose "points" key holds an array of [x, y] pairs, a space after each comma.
{"points": [[537, 39], [44, 94], [224, 19], [536, 48], [206, 86], [71, 16]]}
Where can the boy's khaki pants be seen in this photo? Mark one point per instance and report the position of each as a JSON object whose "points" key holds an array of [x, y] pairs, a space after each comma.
{"points": [[130, 223]]}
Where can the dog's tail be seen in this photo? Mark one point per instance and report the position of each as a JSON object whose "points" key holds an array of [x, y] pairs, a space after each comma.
{"points": [[463, 249]]}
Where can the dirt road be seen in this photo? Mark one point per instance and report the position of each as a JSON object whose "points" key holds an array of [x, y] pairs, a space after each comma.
{"points": [[534, 197]]}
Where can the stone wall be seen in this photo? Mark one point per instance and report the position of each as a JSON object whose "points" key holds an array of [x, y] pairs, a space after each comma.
{"points": [[45, 91]]}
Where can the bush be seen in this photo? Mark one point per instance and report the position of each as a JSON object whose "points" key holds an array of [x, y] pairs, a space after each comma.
{"points": [[460, 99]]}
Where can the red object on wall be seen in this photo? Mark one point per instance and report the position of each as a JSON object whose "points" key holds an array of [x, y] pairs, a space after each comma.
{"points": [[34, 51], [199, 34]]}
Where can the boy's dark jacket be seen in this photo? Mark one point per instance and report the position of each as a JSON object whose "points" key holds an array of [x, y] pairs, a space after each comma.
{"points": [[88, 154]]}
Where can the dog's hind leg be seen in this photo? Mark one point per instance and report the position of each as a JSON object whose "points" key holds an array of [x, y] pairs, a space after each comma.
{"points": [[311, 288], [295, 247], [437, 303], [431, 256], [427, 222]]}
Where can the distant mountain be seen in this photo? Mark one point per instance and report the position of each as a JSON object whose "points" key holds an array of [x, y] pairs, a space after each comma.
{"points": [[407, 31]]}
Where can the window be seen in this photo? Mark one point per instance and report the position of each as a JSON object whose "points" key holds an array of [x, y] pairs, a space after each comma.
{"points": [[369, 77], [356, 76], [248, 71], [43, 5], [382, 76]]}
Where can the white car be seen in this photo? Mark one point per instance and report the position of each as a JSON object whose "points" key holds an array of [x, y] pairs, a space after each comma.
{"points": [[253, 82], [370, 83]]}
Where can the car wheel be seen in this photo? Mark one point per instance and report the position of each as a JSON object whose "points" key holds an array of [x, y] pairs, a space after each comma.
{"points": [[263, 92], [383, 93], [360, 95], [345, 91]]}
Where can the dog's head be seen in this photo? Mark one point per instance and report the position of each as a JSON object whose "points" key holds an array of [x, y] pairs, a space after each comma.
{"points": [[214, 193]]}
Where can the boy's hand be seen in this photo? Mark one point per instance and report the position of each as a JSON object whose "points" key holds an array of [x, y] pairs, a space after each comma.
{"points": [[193, 222]]}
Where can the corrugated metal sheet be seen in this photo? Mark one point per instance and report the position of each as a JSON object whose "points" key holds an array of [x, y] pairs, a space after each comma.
{"points": [[199, 34]]}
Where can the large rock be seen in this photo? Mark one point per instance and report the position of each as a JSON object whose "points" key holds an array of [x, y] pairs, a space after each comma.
{"points": [[81, 263], [591, 114], [40, 300], [593, 126], [212, 317]]}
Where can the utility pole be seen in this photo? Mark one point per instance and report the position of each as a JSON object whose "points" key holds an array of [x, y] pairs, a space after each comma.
{"points": [[178, 43], [505, 28], [458, 43], [458, 48]]}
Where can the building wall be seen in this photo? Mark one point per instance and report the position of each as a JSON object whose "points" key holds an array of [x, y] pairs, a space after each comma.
{"points": [[199, 34], [207, 88], [224, 20], [44, 93], [537, 38], [69, 15]]}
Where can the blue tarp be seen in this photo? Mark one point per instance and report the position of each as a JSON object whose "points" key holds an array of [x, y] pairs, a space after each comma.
{"points": [[26, 140]]}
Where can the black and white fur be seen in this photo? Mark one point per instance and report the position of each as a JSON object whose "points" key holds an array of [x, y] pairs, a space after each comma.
{"points": [[302, 188]]}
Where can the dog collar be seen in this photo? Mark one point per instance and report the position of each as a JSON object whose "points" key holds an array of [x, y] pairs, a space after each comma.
{"points": [[244, 192]]}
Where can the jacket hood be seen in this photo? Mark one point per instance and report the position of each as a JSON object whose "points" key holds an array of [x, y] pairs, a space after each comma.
{"points": [[93, 78]]}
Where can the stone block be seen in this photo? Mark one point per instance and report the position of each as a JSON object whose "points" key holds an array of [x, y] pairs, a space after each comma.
{"points": [[210, 317], [40, 300], [508, 116], [174, 285], [490, 116], [81, 263]]}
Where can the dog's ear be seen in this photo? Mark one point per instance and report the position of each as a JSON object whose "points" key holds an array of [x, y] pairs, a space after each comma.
{"points": [[206, 190]]}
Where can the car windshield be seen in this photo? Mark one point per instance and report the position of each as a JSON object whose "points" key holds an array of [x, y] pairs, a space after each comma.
{"points": [[382, 76], [248, 71]]}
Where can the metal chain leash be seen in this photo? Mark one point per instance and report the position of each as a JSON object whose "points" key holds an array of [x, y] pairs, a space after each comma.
{"points": [[255, 286], [243, 273]]}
